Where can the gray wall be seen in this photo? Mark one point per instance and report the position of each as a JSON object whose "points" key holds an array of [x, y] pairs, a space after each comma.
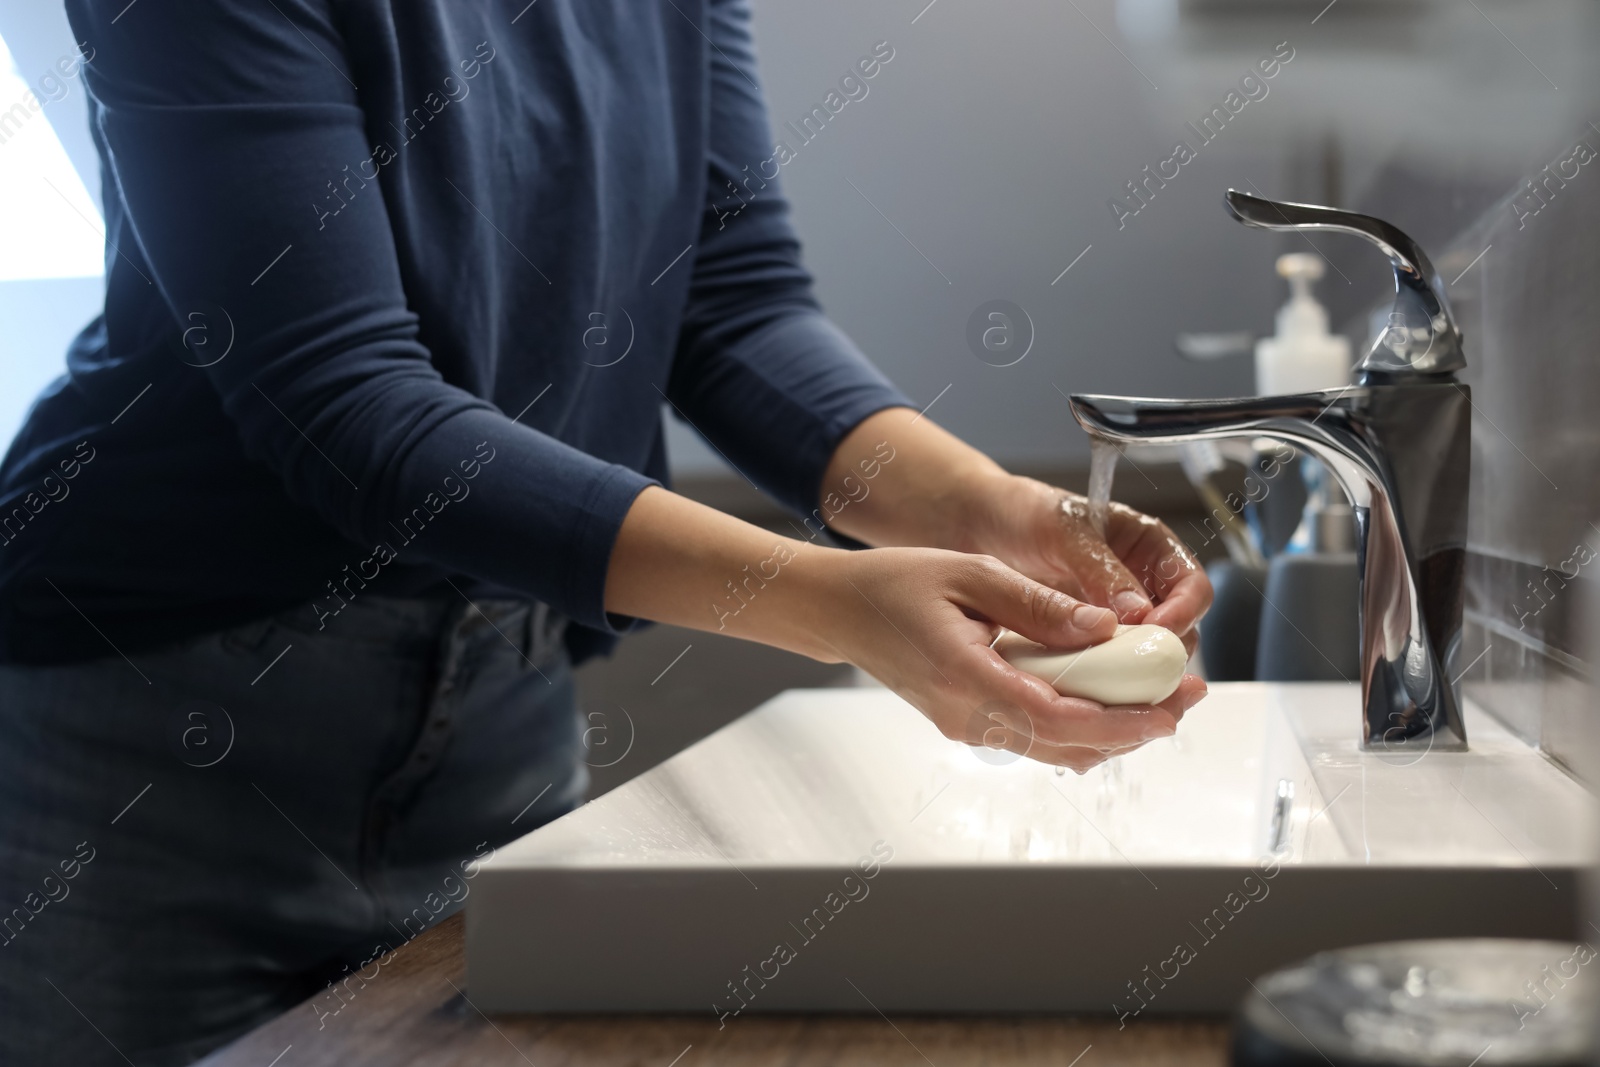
{"points": [[995, 138], [1529, 310]]}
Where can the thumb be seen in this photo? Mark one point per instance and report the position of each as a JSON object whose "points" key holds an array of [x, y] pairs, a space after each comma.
{"points": [[1105, 579], [1032, 608]]}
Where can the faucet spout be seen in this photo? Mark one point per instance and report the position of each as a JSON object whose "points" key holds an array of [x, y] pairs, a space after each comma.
{"points": [[1401, 451]]}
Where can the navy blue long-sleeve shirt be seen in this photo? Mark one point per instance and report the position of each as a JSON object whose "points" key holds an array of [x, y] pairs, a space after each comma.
{"points": [[395, 291]]}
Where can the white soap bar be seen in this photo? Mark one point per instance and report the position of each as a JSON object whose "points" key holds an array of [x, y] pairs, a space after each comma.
{"points": [[1139, 665]]}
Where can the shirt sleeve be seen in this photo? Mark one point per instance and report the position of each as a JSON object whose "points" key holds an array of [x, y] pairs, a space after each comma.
{"points": [[760, 371], [223, 121]]}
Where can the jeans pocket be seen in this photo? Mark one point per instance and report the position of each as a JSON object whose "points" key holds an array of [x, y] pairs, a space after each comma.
{"points": [[367, 622]]}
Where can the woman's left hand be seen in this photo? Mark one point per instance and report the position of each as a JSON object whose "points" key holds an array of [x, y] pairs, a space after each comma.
{"points": [[1141, 570]]}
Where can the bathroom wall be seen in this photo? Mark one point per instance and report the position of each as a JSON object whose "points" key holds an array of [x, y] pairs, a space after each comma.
{"points": [[1524, 286], [985, 157]]}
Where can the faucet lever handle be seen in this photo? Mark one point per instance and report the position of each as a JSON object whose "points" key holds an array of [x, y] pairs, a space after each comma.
{"points": [[1422, 336]]}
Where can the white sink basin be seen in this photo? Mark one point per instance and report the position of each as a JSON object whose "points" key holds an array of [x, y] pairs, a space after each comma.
{"points": [[718, 881]]}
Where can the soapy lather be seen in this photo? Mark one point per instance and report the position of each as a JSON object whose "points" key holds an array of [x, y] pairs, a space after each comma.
{"points": [[1138, 665]]}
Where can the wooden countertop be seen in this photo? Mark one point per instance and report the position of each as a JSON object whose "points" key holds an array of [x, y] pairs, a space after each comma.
{"points": [[417, 1010]]}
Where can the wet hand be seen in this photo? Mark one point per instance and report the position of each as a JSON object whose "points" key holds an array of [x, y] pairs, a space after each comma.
{"points": [[922, 621], [1140, 569]]}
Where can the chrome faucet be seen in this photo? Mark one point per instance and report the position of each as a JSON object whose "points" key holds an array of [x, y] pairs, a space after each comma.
{"points": [[1398, 441]]}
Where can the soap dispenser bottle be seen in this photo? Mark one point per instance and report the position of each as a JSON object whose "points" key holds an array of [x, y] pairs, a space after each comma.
{"points": [[1302, 356]]}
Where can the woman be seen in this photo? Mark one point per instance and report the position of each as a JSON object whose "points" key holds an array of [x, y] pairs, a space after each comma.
{"points": [[365, 452]]}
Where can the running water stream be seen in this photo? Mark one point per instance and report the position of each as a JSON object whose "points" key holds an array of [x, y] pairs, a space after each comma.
{"points": [[1102, 470]]}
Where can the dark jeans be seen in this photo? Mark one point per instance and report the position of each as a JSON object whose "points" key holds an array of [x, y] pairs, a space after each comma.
{"points": [[195, 842]]}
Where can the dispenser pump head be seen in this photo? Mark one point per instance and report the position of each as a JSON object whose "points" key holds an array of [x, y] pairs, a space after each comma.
{"points": [[1302, 314], [1421, 337]]}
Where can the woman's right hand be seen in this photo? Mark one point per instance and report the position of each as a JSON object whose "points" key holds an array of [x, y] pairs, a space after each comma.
{"points": [[921, 621]]}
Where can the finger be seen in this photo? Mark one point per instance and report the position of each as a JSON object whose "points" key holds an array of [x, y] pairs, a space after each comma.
{"points": [[1170, 572], [1064, 580], [1191, 690], [1185, 605], [1106, 580], [1190, 635], [1031, 608], [1053, 719]]}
